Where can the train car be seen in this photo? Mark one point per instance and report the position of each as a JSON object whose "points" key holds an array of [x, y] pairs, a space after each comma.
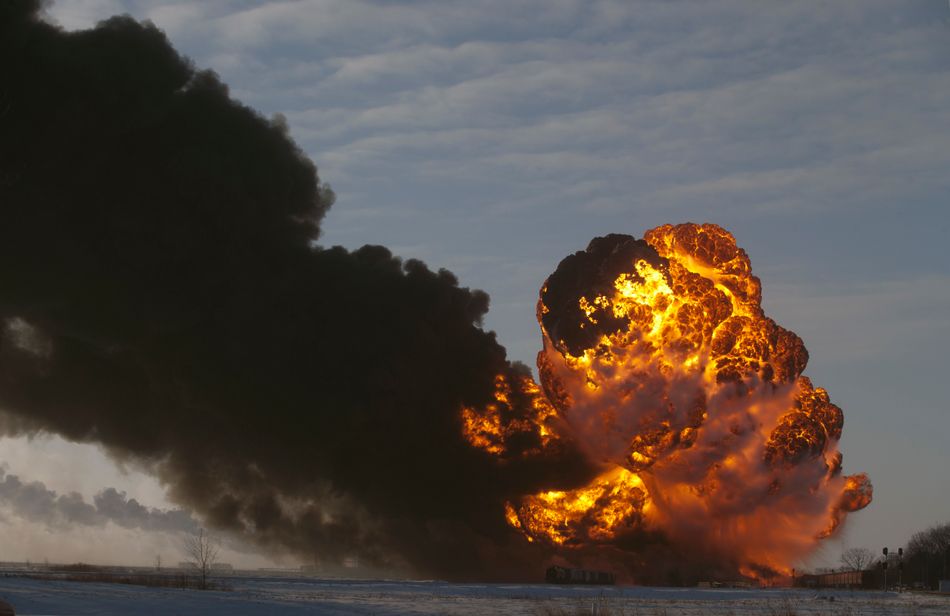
{"points": [[568, 575]]}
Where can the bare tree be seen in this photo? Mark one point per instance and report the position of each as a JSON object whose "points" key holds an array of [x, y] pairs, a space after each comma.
{"points": [[202, 551], [857, 559], [928, 554]]}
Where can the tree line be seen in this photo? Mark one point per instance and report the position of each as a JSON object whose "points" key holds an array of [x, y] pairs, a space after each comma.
{"points": [[927, 557], [924, 562]]}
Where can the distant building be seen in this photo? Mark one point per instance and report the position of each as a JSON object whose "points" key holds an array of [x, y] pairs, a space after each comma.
{"points": [[944, 586], [568, 575]]}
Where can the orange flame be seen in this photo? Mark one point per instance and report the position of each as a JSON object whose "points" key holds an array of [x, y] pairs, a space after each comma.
{"points": [[663, 368]]}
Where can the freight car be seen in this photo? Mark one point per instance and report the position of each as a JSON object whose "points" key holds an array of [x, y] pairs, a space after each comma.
{"points": [[568, 575]]}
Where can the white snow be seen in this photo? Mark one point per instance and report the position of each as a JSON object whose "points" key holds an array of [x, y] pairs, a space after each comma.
{"points": [[289, 595]]}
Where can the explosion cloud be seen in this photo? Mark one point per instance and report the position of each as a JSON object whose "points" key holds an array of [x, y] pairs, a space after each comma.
{"points": [[162, 295], [660, 364]]}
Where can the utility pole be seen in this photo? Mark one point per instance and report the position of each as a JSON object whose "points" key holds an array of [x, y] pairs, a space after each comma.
{"points": [[900, 569], [884, 565]]}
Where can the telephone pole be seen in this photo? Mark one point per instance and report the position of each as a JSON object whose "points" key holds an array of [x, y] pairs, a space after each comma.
{"points": [[900, 569], [884, 565]]}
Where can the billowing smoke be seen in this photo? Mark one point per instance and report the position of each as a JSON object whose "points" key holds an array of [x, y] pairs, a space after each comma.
{"points": [[162, 295], [33, 501]]}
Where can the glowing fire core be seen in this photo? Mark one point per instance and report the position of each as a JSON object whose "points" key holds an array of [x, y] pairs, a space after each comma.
{"points": [[660, 365]]}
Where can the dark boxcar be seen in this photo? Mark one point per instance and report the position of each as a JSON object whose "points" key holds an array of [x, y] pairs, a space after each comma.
{"points": [[568, 575]]}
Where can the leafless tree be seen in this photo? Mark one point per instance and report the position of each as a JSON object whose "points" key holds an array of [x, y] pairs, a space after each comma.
{"points": [[202, 551], [934, 540], [857, 559], [928, 554]]}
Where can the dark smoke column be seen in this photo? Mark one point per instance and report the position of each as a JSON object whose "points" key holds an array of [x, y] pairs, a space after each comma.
{"points": [[161, 295]]}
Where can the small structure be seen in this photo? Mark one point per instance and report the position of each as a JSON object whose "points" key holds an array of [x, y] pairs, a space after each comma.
{"points": [[943, 586], [568, 575]]}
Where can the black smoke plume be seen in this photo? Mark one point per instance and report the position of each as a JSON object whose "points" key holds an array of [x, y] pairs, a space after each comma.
{"points": [[162, 295], [594, 270]]}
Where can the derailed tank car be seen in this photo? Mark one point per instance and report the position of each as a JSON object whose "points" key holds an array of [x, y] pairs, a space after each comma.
{"points": [[569, 575]]}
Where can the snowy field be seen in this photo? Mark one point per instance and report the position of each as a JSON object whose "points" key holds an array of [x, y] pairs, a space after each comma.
{"points": [[287, 595]]}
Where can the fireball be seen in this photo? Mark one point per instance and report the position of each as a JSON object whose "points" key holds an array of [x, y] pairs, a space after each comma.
{"points": [[660, 365]]}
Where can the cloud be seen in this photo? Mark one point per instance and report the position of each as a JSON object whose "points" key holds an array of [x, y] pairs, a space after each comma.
{"points": [[835, 319], [669, 106], [33, 501]]}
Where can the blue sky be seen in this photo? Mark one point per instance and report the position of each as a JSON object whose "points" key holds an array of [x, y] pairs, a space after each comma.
{"points": [[493, 138]]}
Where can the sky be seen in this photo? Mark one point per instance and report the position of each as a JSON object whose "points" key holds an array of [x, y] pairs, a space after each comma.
{"points": [[494, 138]]}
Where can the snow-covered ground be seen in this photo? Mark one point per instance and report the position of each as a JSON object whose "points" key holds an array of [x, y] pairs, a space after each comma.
{"points": [[288, 595]]}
